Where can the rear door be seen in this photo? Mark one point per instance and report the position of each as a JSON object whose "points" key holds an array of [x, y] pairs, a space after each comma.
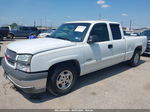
{"points": [[27, 31], [20, 32], [119, 43]]}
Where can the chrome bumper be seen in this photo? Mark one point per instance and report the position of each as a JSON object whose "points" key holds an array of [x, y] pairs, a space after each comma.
{"points": [[28, 82], [35, 86]]}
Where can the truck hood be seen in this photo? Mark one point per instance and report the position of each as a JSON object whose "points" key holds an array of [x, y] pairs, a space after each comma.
{"points": [[38, 45]]}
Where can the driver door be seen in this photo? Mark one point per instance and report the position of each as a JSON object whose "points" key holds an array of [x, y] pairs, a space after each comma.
{"points": [[98, 55]]}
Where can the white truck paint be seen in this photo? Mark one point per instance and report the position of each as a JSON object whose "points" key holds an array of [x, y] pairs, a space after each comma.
{"points": [[91, 57]]}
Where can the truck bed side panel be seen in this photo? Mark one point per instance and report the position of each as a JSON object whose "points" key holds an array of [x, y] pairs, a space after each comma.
{"points": [[132, 42]]}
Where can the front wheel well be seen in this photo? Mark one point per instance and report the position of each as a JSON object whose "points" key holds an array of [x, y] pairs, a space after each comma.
{"points": [[11, 34], [73, 63], [139, 48], [1, 35]]}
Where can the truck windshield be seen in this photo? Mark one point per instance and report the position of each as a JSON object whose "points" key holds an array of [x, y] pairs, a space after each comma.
{"points": [[74, 32]]}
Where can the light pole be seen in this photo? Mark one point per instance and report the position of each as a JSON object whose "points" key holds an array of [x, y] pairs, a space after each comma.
{"points": [[130, 24]]}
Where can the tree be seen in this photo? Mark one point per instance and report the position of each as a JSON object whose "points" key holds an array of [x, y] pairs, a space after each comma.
{"points": [[13, 25]]}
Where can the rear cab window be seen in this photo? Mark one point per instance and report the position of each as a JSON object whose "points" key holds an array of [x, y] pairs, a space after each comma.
{"points": [[116, 32]]}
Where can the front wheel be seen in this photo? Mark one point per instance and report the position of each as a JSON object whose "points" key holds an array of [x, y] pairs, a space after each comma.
{"points": [[135, 59], [62, 79], [10, 36], [1, 37]]}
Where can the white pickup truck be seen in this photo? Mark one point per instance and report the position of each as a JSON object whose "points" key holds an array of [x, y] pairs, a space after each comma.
{"points": [[74, 49]]}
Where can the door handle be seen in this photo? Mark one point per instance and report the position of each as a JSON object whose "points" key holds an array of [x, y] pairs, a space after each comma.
{"points": [[110, 46]]}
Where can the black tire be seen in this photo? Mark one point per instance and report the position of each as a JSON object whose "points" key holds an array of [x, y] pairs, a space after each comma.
{"points": [[1, 37], [52, 86], [10, 36], [135, 60]]}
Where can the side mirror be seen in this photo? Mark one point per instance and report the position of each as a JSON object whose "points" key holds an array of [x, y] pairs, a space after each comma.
{"points": [[92, 39]]}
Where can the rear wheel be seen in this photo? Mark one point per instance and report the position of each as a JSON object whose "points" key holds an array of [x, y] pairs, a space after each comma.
{"points": [[135, 59], [62, 79]]}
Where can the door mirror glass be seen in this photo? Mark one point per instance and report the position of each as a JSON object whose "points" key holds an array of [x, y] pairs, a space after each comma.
{"points": [[92, 39]]}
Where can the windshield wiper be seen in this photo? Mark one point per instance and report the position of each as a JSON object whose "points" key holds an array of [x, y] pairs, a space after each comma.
{"points": [[58, 38], [48, 36], [62, 38]]}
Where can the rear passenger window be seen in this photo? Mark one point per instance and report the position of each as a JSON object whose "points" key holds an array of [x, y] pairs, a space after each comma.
{"points": [[116, 33], [101, 31]]}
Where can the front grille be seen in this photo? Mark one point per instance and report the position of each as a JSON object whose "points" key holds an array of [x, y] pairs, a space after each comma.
{"points": [[11, 56]]}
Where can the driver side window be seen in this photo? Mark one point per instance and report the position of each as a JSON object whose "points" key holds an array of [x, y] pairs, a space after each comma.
{"points": [[101, 32]]}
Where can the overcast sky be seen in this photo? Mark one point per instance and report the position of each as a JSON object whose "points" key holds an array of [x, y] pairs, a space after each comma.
{"points": [[55, 12]]}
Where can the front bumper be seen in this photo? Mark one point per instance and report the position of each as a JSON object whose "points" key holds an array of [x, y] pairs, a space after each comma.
{"points": [[28, 82]]}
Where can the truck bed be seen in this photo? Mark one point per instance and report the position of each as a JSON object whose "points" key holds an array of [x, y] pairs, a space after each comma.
{"points": [[138, 40]]}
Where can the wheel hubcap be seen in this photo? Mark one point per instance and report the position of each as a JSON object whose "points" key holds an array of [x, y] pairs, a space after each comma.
{"points": [[136, 58], [64, 80]]}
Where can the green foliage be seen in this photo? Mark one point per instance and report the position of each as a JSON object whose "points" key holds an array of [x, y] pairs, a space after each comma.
{"points": [[13, 25]]}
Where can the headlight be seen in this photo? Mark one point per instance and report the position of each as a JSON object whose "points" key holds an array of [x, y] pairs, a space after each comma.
{"points": [[23, 62], [24, 58]]}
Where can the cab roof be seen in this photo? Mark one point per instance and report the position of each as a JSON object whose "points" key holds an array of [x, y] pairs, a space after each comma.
{"points": [[94, 22]]}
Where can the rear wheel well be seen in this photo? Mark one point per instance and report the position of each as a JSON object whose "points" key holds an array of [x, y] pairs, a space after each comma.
{"points": [[74, 63]]}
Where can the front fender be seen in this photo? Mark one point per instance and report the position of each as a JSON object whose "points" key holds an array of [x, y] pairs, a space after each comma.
{"points": [[43, 61]]}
